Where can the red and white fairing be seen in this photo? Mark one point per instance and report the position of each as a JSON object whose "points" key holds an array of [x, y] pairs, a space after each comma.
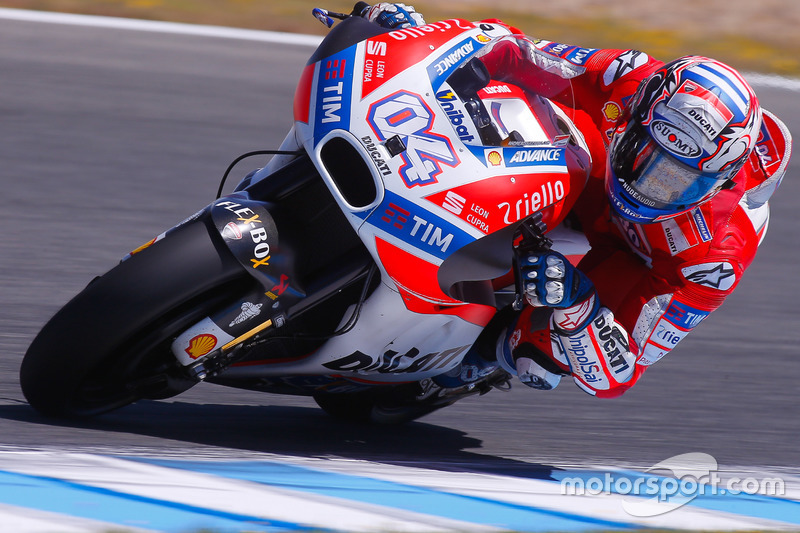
{"points": [[445, 191]]}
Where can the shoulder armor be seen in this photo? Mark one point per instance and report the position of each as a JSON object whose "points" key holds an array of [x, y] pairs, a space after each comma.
{"points": [[770, 159]]}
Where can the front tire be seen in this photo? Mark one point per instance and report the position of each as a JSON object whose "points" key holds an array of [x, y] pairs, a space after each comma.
{"points": [[110, 345]]}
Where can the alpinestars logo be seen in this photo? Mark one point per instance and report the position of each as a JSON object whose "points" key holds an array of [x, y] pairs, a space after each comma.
{"points": [[574, 317], [627, 62], [720, 276]]}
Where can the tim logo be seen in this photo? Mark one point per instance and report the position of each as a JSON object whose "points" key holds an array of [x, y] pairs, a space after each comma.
{"points": [[418, 227], [406, 115], [395, 216], [335, 69], [333, 93]]}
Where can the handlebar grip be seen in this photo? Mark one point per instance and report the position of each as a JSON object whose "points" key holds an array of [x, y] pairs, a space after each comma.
{"points": [[359, 8]]}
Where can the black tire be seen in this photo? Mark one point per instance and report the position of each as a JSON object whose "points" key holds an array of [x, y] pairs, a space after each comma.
{"points": [[109, 346]]}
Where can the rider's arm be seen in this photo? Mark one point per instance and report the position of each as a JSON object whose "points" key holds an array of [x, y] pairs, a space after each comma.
{"points": [[653, 298], [576, 77], [645, 311]]}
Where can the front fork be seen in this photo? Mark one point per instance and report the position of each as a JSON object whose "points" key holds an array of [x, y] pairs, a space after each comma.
{"points": [[249, 232]]}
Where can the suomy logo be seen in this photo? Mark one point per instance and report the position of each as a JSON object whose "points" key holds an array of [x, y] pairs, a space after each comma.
{"points": [[674, 139]]}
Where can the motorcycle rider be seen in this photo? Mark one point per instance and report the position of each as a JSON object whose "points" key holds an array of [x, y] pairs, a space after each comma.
{"points": [[684, 162]]}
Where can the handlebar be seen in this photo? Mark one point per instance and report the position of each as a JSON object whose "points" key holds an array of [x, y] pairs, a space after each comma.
{"points": [[326, 17]]}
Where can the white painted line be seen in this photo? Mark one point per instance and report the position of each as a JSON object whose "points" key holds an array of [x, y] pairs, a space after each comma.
{"points": [[159, 27], [545, 494], [754, 78], [334, 493], [772, 81], [228, 495], [26, 520]]}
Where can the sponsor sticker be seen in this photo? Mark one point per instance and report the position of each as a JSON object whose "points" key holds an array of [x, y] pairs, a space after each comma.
{"points": [[444, 65], [572, 318], [251, 224], [702, 107], [574, 54], [334, 93], [612, 111], [671, 328], [701, 225], [674, 139], [406, 115], [199, 341], [201, 345], [584, 363], [452, 108], [717, 275], [392, 362], [418, 227], [676, 240], [498, 201], [249, 310], [534, 156], [684, 316], [624, 64]]}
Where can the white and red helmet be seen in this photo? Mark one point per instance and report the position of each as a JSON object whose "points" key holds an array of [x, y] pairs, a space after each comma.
{"points": [[684, 136]]}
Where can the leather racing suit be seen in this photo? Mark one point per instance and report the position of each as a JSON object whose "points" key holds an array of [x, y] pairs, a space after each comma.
{"points": [[654, 282]]}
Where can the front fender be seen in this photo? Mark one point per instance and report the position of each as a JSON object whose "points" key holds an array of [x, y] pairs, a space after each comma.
{"points": [[249, 231]]}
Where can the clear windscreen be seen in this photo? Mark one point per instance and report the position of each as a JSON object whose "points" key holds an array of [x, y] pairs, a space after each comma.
{"points": [[507, 112]]}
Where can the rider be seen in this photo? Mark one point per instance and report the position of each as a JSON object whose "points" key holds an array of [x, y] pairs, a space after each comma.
{"points": [[684, 161]]}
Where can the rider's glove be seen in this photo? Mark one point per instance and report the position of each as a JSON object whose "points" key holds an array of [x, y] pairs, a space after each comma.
{"points": [[393, 16], [550, 280]]}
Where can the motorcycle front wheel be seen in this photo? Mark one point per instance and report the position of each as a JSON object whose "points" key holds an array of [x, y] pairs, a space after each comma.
{"points": [[110, 345]]}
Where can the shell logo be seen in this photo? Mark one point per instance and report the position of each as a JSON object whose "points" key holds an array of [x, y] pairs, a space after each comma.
{"points": [[494, 158], [612, 111], [201, 345]]}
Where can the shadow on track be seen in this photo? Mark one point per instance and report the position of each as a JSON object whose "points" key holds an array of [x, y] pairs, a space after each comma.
{"points": [[297, 431]]}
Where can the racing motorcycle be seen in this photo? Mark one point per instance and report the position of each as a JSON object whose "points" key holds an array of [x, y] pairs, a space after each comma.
{"points": [[368, 264]]}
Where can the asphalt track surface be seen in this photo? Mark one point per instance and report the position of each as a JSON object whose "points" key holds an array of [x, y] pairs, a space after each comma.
{"points": [[108, 137]]}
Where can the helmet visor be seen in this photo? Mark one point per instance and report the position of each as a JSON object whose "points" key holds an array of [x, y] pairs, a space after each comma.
{"points": [[657, 179]]}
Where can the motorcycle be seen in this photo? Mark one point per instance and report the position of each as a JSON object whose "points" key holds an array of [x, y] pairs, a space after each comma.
{"points": [[368, 264]]}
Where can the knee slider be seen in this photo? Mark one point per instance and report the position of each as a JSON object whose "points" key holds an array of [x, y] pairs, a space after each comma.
{"points": [[535, 368]]}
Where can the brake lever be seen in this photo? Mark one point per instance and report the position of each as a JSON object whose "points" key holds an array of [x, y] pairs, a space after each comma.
{"points": [[326, 17]]}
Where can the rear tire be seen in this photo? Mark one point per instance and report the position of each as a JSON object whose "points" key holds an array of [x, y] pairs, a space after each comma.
{"points": [[110, 345]]}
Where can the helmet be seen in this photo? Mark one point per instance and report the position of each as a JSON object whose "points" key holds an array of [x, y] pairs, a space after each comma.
{"points": [[683, 137]]}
